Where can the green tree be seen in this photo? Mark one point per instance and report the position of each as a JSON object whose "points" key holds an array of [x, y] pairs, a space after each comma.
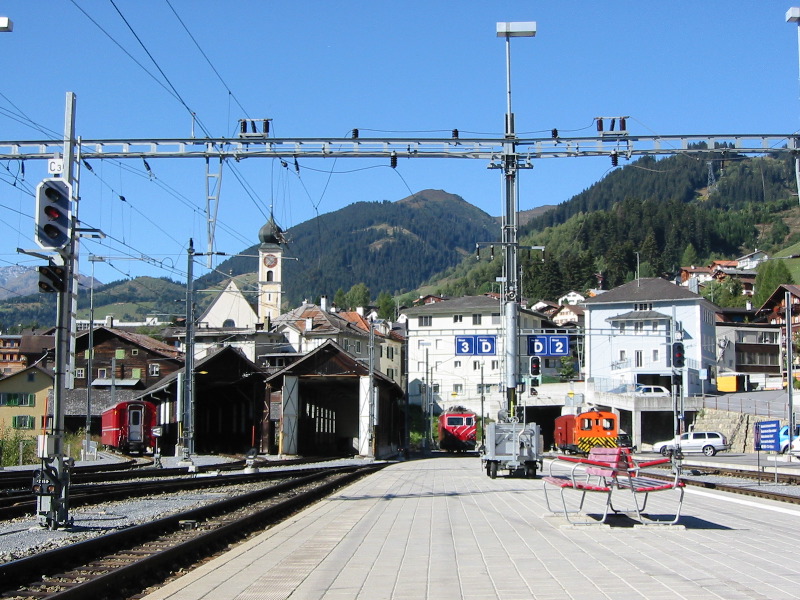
{"points": [[358, 296], [385, 305], [725, 293], [340, 299], [770, 274], [689, 257]]}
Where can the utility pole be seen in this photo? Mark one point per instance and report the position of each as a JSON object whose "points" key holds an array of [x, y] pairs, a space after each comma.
{"points": [[188, 369]]}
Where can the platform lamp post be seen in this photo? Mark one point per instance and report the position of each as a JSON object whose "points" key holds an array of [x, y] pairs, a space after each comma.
{"points": [[511, 291], [793, 16]]}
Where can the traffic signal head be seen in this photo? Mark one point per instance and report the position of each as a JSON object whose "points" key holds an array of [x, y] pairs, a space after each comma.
{"points": [[53, 213], [536, 366], [51, 279], [678, 355]]}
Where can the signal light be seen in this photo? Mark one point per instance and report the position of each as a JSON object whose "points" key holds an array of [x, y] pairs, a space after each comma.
{"points": [[51, 279], [678, 355], [536, 366], [53, 213]]}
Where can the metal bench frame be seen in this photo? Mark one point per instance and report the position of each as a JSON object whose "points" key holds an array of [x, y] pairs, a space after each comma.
{"points": [[605, 471]]}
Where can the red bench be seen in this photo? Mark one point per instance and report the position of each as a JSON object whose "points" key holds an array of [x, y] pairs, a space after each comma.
{"points": [[605, 471]]}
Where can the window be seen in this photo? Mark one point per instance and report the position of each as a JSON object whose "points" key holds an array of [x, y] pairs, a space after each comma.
{"points": [[643, 306], [435, 388], [23, 422], [638, 358], [495, 318], [102, 373], [390, 352], [456, 364], [458, 388], [80, 373], [476, 365], [455, 421], [31, 376], [358, 346], [134, 352], [390, 373], [154, 369], [136, 373], [425, 321], [458, 318], [622, 355], [119, 353], [495, 365], [229, 323], [476, 319], [638, 326], [655, 355]]}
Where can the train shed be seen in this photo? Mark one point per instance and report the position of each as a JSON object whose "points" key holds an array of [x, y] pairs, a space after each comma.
{"points": [[228, 408], [320, 405]]}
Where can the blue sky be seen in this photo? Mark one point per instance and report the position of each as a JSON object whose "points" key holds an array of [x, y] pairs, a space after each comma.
{"points": [[321, 68]]}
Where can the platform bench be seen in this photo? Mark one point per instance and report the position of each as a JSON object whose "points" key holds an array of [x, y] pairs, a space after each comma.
{"points": [[605, 471]]}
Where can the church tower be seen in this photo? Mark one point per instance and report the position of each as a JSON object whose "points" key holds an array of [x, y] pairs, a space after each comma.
{"points": [[270, 263]]}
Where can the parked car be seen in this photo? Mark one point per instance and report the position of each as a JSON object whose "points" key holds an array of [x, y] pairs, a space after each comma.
{"points": [[652, 390], [707, 442], [783, 436]]}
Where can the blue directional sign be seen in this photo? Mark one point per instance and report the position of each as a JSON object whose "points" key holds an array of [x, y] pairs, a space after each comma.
{"points": [[465, 344], [548, 345], [768, 435], [476, 345]]}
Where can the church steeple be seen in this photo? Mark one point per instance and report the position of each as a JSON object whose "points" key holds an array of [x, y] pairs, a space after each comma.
{"points": [[270, 259]]}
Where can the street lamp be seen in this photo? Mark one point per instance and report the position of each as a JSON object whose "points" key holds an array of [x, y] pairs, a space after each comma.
{"points": [[793, 16], [511, 292]]}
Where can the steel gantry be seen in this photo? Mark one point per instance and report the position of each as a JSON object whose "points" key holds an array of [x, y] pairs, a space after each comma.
{"points": [[508, 153]]}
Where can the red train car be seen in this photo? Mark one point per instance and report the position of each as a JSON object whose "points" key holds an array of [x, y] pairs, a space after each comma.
{"points": [[580, 433], [457, 430], [128, 426]]}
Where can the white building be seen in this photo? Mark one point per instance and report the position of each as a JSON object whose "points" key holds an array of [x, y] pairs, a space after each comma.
{"points": [[460, 375], [630, 331]]}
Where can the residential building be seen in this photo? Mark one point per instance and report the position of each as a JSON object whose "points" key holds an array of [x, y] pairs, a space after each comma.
{"points": [[630, 332], [24, 400], [631, 329], [11, 358], [462, 375]]}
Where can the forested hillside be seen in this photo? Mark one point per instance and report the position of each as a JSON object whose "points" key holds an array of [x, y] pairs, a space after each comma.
{"points": [[389, 246], [651, 212]]}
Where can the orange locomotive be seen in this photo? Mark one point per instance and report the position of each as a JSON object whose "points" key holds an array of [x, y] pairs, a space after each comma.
{"points": [[580, 433]]}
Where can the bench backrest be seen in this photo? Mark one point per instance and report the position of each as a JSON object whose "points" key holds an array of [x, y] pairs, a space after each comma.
{"points": [[617, 459]]}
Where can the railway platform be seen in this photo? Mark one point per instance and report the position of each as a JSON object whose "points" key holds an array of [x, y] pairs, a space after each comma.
{"points": [[440, 529]]}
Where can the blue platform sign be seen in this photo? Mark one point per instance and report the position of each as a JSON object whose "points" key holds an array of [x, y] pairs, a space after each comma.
{"points": [[476, 345], [548, 345], [465, 344], [767, 435]]}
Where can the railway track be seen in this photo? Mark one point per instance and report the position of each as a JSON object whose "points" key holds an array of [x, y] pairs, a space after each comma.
{"points": [[23, 503], [121, 564]]}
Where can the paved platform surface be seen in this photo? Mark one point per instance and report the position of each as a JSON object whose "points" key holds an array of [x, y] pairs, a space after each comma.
{"points": [[440, 529]]}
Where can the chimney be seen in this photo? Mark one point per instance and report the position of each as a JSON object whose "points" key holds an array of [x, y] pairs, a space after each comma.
{"points": [[360, 310], [323, 303], [109, 321], [748, 305], [309, 323]]}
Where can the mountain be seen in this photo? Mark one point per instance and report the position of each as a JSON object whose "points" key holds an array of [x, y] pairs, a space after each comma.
{"points": [[650, 215], [388, 246]]}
